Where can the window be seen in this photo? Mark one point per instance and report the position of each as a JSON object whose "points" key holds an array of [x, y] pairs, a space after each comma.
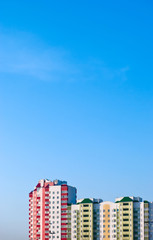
{"points": [[125, 214]]}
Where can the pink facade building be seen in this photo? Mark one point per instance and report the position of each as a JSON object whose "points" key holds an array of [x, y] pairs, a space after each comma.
{"points": [[48, 210]]}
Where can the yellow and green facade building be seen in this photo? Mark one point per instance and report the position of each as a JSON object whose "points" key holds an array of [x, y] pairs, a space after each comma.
{"points": [[128, 218], [134, 219]]}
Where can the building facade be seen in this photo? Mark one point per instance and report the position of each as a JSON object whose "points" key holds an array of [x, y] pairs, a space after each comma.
{"points": [[108, 221], [83, 218], [48, 210], [54, 213], [134, 219]]}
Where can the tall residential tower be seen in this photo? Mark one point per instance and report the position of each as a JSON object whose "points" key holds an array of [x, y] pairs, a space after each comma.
{"points": [[48, 210], [54, 213]]}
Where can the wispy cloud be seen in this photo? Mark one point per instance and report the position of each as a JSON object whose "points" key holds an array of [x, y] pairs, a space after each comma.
{"points": [[22, 54]]}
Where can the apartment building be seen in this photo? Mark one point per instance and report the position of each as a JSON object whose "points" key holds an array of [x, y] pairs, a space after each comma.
{"points": [[134, 219], [54, 213], [108, 220], [48, 210], [83, 218]]}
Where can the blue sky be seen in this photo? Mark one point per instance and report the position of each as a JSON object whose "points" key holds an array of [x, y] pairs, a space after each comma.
{"points": [[76, 101]]}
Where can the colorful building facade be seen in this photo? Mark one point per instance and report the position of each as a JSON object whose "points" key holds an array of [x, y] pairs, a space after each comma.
{"points": [[48, 210], [54, 213]]}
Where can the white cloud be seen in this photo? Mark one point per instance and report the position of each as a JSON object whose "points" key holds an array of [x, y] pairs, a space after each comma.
{"points": [[23, 54]]}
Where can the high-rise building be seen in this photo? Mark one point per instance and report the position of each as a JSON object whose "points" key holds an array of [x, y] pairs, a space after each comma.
{"points": [[134, 219], [84, 219], [108, 221], [129, 218], [48, 210], [55, 214]]}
